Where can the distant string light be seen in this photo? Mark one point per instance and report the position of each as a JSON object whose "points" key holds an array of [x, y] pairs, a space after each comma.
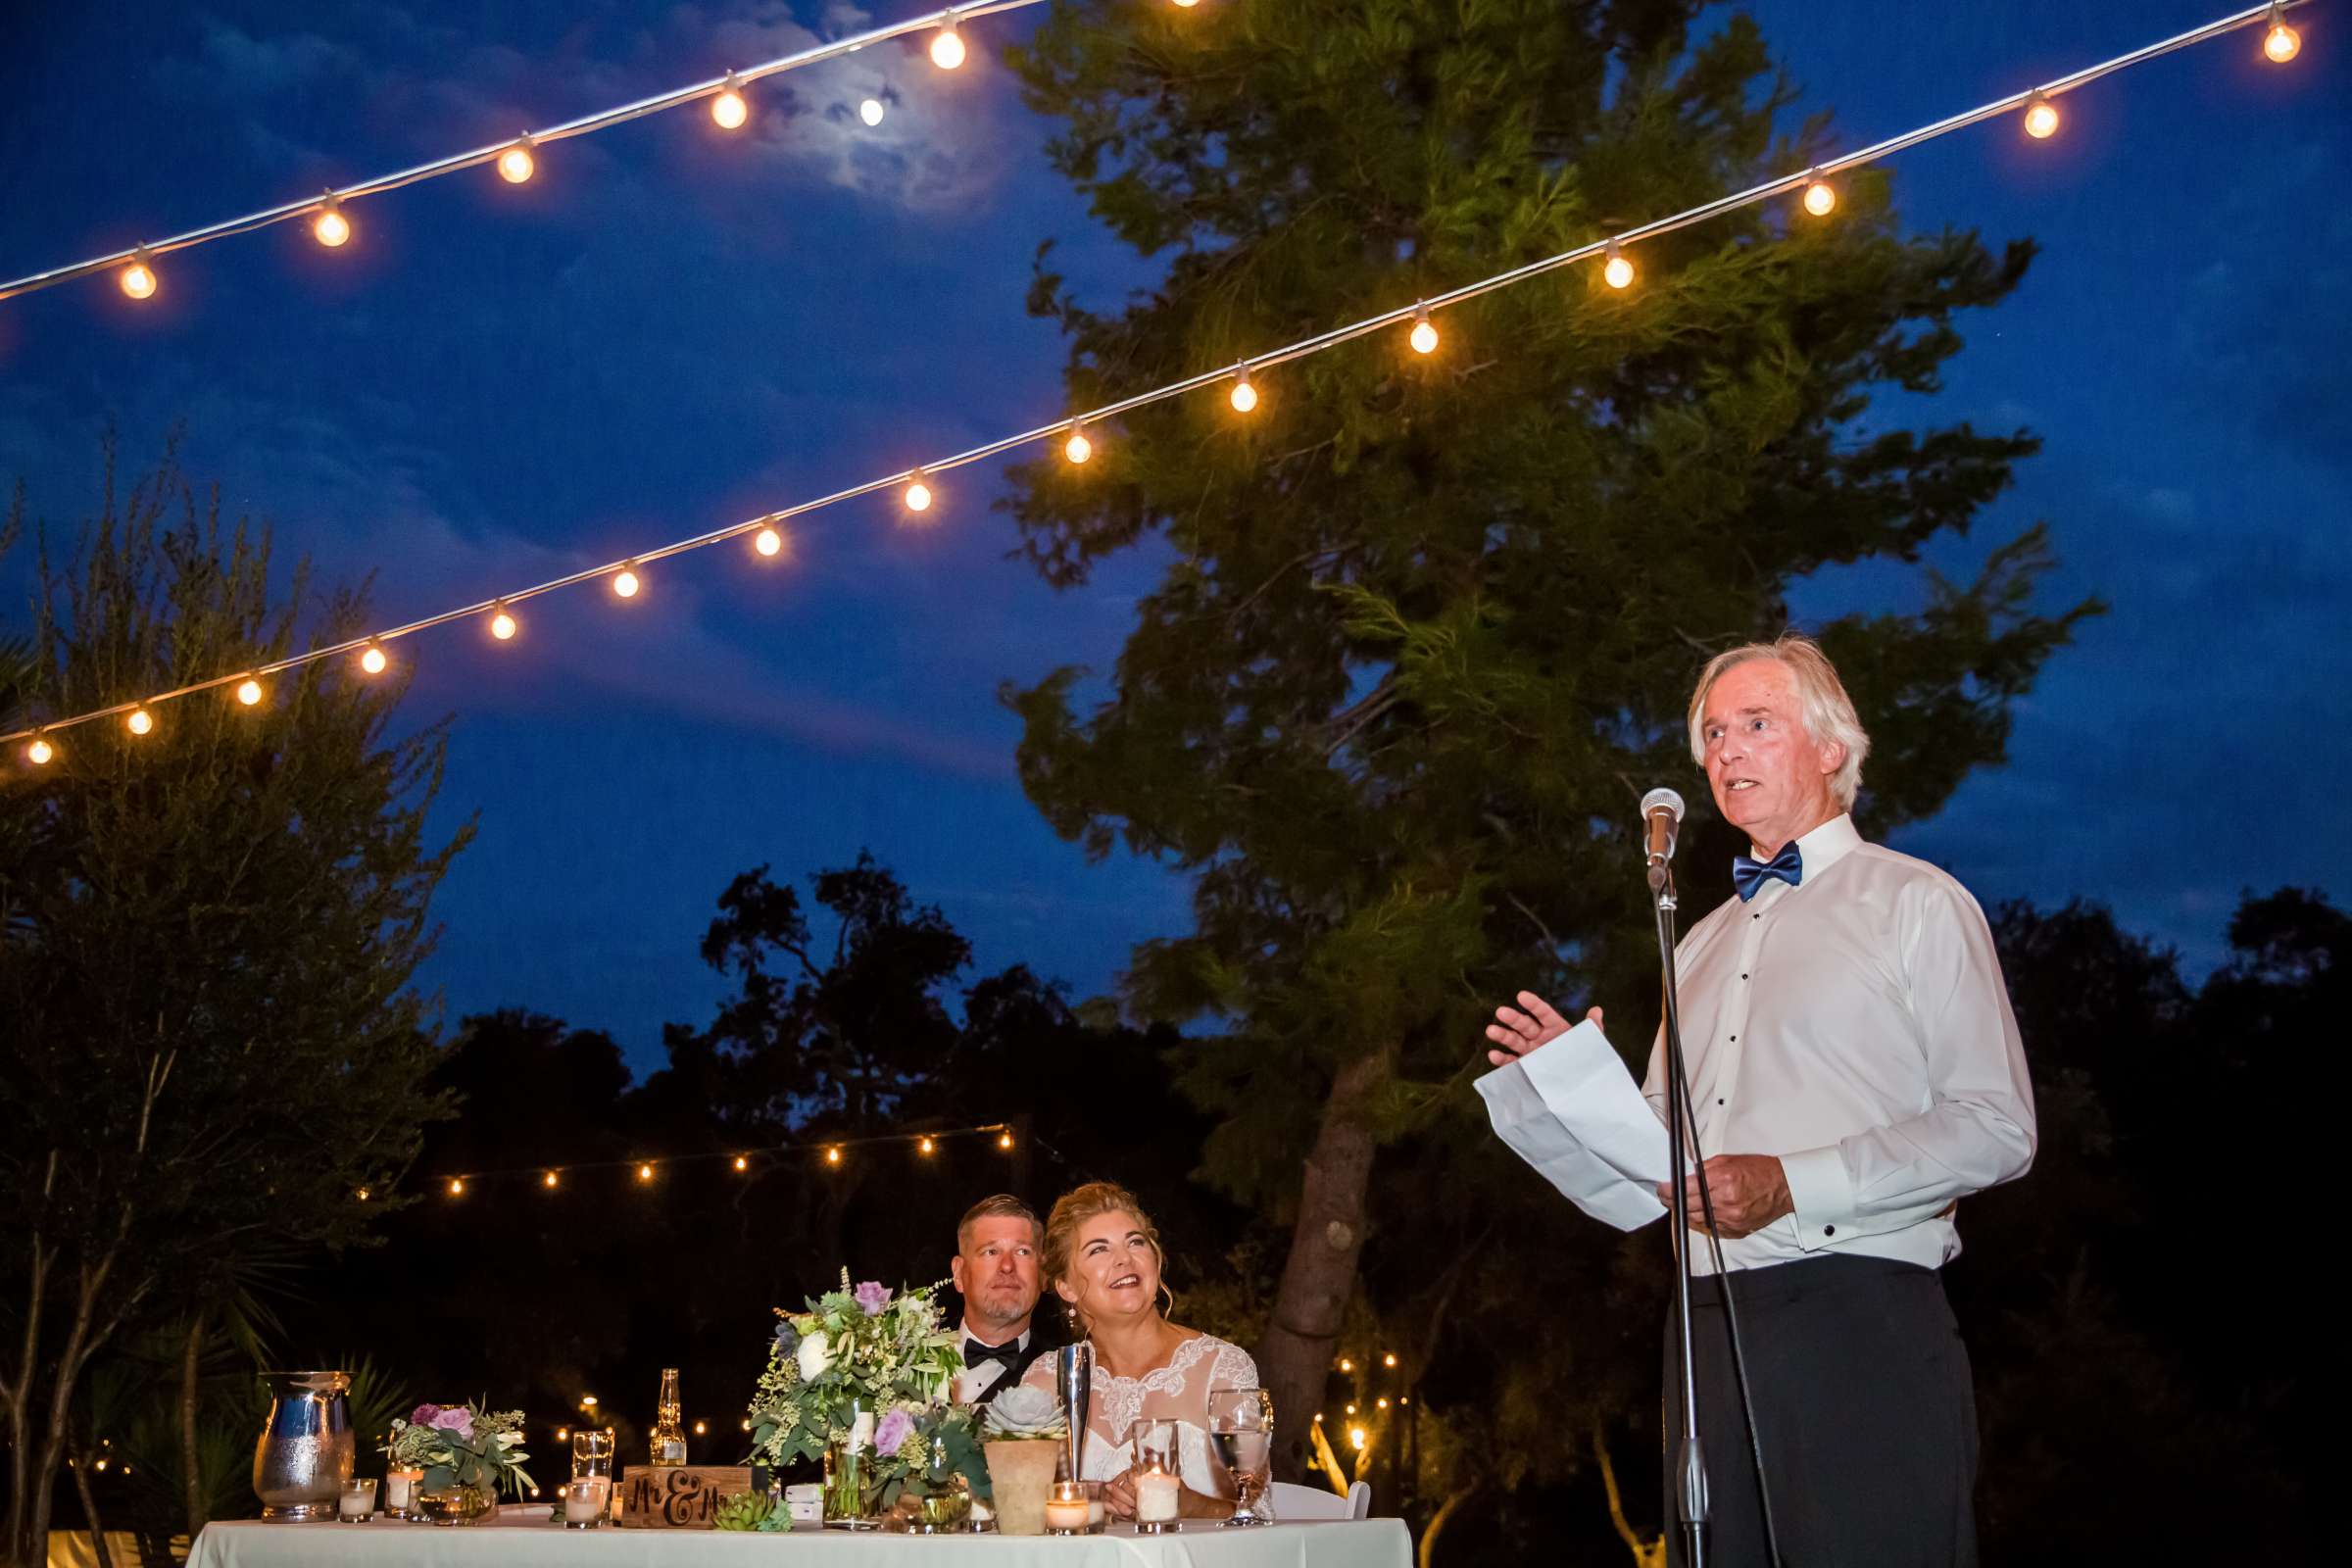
{"points": [[645, 1173], [40, 753], [2279, 41], [249, 693], [1243, 392], [139, 722], [373, 659], [768, 541], [1078, 448], [1616, 269], [1820, 197], [625, 582], [2041, 117], [330, 228], [517, 160], [549, 1180], [742, 1163], [1424, 335]]}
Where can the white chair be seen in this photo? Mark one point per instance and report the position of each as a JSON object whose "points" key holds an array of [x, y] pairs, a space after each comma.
{"points": [[1294, 1502]]}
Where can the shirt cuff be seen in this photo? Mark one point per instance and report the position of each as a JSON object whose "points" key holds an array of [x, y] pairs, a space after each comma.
{"points": [[1822, 1194]]}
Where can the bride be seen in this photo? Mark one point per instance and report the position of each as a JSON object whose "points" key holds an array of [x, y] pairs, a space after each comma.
{"points": [[1103, 1256]]}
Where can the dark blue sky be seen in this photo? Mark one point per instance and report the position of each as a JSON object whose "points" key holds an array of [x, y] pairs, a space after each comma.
{"points": [[671, 329]]}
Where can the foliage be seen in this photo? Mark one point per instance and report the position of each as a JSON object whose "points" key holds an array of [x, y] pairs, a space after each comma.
{"points": [[1023, 1412], [935, 1448], [206, 943], [854, 1367], [747, 1510], [462, 1445]]}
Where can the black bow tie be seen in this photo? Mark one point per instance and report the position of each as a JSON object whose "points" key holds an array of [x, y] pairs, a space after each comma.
{"points": [[974, 1352]]}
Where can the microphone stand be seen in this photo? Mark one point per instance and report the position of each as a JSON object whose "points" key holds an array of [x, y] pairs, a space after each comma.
{"points": [[1689, 1477]]}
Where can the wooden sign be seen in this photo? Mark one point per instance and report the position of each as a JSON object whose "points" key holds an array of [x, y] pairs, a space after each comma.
{"points": [[678, 1496]]}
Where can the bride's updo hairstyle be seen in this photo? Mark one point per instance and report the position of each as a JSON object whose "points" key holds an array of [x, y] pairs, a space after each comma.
{"points": [[1082, 1204]]}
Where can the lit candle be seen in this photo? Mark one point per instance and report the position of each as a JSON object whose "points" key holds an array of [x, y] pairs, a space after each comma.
{"points": [[584, 1502], [357, 1501], [1066, 1511], [1155, 1498], [397, 1484]]}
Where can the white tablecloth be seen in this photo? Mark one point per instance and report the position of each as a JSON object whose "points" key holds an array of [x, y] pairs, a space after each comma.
{"points": [[523, 1536]]}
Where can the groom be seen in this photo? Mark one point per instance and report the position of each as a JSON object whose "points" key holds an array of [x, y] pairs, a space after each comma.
{"points": [[995, 1272]]}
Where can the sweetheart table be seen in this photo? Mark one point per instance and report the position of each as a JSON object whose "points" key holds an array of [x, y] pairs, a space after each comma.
{"points": [[523, 1537]]}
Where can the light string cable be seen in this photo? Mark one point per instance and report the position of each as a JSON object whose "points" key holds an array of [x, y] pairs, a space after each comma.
{"points": [[746, 1158], [917, 478], [330, 203]]}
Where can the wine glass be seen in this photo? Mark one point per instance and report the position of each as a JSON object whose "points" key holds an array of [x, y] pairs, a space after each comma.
{"points": [[1241, 1430]]}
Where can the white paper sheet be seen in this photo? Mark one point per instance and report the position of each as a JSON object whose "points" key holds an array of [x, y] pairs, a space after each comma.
{"points": [[1570, 1110]]}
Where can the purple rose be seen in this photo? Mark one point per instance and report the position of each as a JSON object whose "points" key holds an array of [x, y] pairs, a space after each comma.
{"points": [[893, 1430], [872, 1298], [455, 1419], [423, 1414]]}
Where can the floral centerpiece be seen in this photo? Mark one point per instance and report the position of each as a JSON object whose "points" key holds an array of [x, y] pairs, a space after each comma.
{"points": [[468, 1455], [862, 1364]]}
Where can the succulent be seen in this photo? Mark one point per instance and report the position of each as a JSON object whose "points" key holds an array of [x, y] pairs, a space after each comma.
{"points": [[1024, 1413], [743, 1511]]}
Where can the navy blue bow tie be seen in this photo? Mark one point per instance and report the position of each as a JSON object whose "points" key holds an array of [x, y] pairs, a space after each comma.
{"points": [[1749, 872]]}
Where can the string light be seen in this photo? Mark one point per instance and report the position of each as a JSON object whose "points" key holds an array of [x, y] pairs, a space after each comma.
{"points": [[1004, 1140], [1424, 335], [1382, 1402], [1357, 1437], [768, 541], [330, 228], [2279, 41], [40, 753], [925, 1146], [139, 722], [548, 1180], [563, 1434], [250, 693], [1243, 395], [517, 164], [645, 1173], [1078, 448], [457, 1187], [1388, 1360], [363, 1194], [871, 110], [699, 1429], [1345, 1365], [2041, 117], [833, 1154], [1820, 197], [624, 581], [729, 109], [373, 659], [138, 279], [947, 45], [1615, 269], [918, 493], [1352, 1410], [742, 1163]]}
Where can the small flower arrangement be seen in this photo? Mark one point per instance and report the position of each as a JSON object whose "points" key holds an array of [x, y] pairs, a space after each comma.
{"points": [[923, 1455], [858, 1355], [462, 1445], [1023, 1413]]}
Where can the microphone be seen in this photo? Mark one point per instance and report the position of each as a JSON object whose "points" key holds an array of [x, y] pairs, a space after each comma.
{"points": [[1661, 814]]}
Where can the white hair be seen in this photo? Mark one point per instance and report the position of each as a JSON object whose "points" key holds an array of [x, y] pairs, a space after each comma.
{"points": [[1829, 713]]}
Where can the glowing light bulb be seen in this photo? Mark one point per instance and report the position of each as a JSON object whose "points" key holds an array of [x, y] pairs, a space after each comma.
{"points": [[699, 1429], [730, 109], [456, 1185], [1357, 1435], [1388, 1360], [1617, 272], [140, 721], [1078, 448], [138, 279], [502, 624], [330, 227], [918, 493], [517, 164], [40, 753], [373, 659], [548, 1180], [1347, 1365], [2042, 119], [742, 1163], [947, 46], [626, 583], [924, 1146], [2279, 41], [833, 1156], [562, 1433], [1424, 336], [1004, 1140], [1820, 198], [249, 693], [871, 110], [768, 541], [363, 1194], [1186, 5], [1245, 396], [645, 1173]]}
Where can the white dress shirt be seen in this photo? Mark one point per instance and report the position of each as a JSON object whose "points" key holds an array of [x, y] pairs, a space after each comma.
{"points": [[974, 1380], [1857, 1025]]}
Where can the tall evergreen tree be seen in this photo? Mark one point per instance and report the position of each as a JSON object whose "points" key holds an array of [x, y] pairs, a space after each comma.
{"points": [[1429, 622]]}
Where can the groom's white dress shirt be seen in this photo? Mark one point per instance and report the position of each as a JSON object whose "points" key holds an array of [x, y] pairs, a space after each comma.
{"points": [[1855, 1025]]}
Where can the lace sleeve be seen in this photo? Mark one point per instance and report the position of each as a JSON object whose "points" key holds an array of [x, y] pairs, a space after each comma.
{"points": [[1233, 1369]]}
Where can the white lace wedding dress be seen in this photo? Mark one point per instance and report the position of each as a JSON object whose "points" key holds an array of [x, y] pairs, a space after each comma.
{"points": [[1177, 1391]]}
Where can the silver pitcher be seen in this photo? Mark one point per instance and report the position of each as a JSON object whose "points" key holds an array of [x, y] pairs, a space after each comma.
{"points": [[306, 1452]]}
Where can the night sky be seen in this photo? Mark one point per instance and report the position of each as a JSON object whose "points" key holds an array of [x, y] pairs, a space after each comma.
{"points": [[671, 329]]}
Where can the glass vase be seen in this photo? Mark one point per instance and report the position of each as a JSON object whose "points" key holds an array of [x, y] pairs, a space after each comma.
{"points": [[848, 1484], [459, 1505]]}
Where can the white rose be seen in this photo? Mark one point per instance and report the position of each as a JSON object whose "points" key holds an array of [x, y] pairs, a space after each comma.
{"points": [[815, 1356]]}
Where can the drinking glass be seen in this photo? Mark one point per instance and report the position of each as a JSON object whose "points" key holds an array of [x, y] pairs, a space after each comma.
{"points": [[1156, 1477], [1240, 1432], [590, 1496]]}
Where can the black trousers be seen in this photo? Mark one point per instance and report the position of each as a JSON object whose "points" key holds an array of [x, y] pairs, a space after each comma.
{"points": [[1864, 1407]]}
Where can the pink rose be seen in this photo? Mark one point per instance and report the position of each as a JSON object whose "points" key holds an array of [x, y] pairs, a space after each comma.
{"points": [[455, 1419]]}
